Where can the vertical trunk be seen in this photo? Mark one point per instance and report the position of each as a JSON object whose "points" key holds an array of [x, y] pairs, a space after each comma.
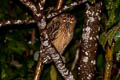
{"points": [[88, 46]]}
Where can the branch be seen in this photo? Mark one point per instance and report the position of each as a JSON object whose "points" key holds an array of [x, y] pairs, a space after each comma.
{"points": [[40, 5], [58, 5], [31, 6], [88, 45], [60, 65], [69, 6], [41, 26], [19, 21], [76, 59], [32, 41], [38, 70]]}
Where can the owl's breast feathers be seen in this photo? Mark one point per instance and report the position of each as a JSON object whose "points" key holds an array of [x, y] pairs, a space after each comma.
{"points": [[62, 40], [59, 34]]}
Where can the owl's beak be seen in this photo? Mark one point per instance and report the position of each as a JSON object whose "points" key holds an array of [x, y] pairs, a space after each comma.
{"points": [[67, 24]]}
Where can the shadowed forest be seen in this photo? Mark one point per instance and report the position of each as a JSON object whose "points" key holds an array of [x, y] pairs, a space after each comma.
{"points": [[92, 54]]}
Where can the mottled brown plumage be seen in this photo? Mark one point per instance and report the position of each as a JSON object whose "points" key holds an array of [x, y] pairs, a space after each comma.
{"points": [[60, 31]]}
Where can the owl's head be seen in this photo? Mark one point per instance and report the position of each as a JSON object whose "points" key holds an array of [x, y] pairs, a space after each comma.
{"points": [[68, 20]]}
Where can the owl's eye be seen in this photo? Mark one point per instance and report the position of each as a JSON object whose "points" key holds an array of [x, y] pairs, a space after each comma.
{"points": [[64, 21], [71, 22]]}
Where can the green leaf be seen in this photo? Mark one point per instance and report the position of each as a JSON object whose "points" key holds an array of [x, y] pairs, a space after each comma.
{"points": [[109, 36], [117, 35], [111, 33], [111, 19], [117, 46], [117, 49], [103, 39], [113, 13], [118, 56]]}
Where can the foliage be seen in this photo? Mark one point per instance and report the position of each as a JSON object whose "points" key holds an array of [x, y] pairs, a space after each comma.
{"points": [[111, 34]]}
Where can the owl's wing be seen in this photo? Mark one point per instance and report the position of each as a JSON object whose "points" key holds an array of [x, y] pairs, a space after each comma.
{"points": [[52, 28]]}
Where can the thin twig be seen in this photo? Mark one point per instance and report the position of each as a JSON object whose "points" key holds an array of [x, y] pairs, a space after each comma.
{"points": [[58, 5], [38, 70], [40, 5], [76, 59], [32, 40]]}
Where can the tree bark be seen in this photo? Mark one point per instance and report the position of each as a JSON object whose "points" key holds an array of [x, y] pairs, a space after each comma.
{"points": [[88, 45]]}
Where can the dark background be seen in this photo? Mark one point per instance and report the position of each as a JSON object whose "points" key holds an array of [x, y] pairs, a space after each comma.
{"points": [[16, 59]]}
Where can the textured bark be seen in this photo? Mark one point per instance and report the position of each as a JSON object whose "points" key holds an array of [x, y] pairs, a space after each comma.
{"points": [[88, 46], [66, 7], [31, 6], [18, 21], [40, 18]]}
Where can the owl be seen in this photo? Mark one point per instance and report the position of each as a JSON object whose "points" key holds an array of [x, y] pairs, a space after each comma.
{"points": [[60, 31]]}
